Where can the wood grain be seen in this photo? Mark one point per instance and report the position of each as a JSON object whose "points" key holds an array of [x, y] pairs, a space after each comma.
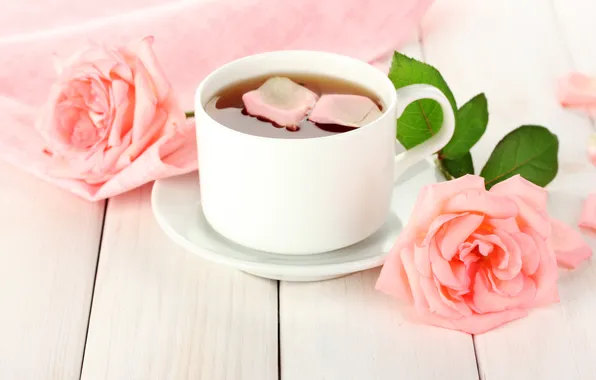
{"points": [[48, 251], [575, 20], [159, 312], [162, 313], [516, 51], [345, 329]]}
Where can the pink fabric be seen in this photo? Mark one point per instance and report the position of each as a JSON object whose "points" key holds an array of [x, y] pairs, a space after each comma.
{"points": [[192, 37]]}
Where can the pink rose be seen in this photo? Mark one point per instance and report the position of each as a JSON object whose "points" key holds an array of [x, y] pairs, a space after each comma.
{"points": [[471, 259], [108, 108]]}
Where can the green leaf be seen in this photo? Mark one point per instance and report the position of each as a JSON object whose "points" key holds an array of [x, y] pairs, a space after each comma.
{"points": [[530, 151], [471, 122], [457, 167], [423, 118]]}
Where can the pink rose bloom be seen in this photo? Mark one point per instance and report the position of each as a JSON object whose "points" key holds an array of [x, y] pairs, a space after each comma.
{"points": [[471, 259], [112, 113]]}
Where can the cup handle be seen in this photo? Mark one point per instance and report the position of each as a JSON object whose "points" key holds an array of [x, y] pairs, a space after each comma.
{"points": [[407, 95]]}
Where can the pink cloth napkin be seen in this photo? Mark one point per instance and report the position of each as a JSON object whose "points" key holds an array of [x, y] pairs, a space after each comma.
{"points": [[192, 38]]}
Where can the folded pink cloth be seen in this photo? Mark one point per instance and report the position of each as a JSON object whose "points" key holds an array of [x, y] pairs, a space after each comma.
{"points": [[191, 39]]}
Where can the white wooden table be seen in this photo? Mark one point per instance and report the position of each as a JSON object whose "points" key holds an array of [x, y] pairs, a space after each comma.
{"points": [[104, 294]]}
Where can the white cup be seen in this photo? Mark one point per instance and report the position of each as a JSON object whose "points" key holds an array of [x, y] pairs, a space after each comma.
{"points": [[305, 196]]}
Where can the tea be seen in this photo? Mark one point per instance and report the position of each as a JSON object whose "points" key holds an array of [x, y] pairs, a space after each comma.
{"points": [[294, 106]]}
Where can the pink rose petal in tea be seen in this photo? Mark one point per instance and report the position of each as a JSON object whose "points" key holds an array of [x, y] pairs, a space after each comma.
{"points": [[343, 109], [281, 101]]}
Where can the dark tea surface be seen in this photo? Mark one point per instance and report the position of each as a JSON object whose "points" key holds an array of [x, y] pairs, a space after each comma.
{"points": [[228, 109]]}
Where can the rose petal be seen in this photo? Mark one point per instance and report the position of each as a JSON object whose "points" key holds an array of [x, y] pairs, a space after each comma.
{"points": [[105, 66], [280, 100], [536, 218], [86, 57], [151, 134], [113, 160], [455, 303], [395, 270], [457, 231], [122, 119], [432, 197], [509, 225], [508, 288], [481, 201], [511, 264], [530, 255], [145, 53], [475, 323], [84, 133], [547, 274], [393, 279], [487, 301], [569, 246], [435, 302], [533, 194], [444, 272], [437, 224], [344, 109], [421, 255], [588, 216], [530, 199], [420, 301], [145, 103], [422, 259], [577, 90], [505, 260], [467, 249]]}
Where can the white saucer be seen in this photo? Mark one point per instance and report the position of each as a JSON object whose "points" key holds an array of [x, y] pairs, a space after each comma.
{"points": [[177, 208]]}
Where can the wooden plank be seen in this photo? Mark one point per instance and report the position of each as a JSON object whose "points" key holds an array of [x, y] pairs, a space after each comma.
{"points": [[514, 51], [345, 329], [162, 313], [575, 19], [49, 241]]}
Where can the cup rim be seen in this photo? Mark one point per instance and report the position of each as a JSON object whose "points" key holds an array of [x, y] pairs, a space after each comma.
{"points": [[198, 106]]}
